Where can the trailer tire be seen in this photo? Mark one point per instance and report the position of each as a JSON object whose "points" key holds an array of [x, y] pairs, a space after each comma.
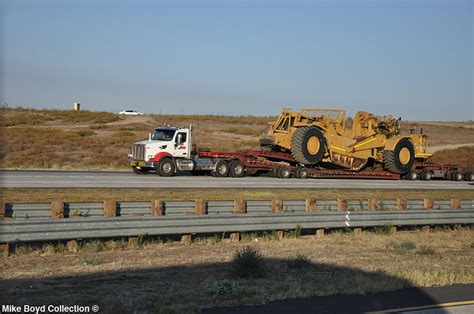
{"points": [[222, 169], [412, 175], [308, 145], [140, 171], [284, 173], [456, 176], [236, 169], [401, 158], [301, 173], [469, 176], [166, 167], [426, 175]]}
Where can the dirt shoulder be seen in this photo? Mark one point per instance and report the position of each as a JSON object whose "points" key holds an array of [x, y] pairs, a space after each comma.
{"points": [[168, 277]]}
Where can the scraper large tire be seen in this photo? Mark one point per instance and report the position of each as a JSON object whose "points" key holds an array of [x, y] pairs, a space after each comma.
{"points": [[308, 145], [401, 158]]}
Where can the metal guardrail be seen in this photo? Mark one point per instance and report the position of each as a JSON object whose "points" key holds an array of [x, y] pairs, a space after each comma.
{"points": [[42, 229], [33, 222]]}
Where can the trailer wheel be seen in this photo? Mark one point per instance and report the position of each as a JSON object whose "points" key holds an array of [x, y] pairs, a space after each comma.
{"points": [[426, 175], [469, 176], [284, 172], [137, 170], [236, 169], [401, 158], [222, 169], [301, 173], [456, 176], [308, 145], [412, 175], [166, 168]]}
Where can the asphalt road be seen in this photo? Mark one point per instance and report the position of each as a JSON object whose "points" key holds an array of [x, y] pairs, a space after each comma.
{"points": [[445, 299], [91, 179]]}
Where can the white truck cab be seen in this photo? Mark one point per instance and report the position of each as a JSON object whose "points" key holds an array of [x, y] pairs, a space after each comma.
{"points": [[166, 149]]}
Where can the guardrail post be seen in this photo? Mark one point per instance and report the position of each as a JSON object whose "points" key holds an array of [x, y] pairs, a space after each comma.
{"points": [[401, 203], [110, 208], [455, 203], [240, 207], [2, 210], [357, 231], [311, 205], [342, 204], [200, 206], [319, 233], [372, 203], [277, 205], [156, 208], [428, 203], [57, 209], [5, 248], [186, 239]]}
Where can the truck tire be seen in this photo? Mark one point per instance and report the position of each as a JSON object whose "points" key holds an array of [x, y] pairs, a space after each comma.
{"points": [[167, 167], [236, 169], [308, 145], [222, 169], [302, 173], [283, 173], [456, 176], [401, 158], [140, 171], [412, 175], [469, 176], [426, 175]]}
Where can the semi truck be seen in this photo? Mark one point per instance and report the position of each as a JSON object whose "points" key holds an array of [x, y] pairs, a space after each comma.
{"points": [[170, 151]]}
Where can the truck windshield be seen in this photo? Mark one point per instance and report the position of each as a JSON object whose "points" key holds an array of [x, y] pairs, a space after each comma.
{"points": [[162, 135]]}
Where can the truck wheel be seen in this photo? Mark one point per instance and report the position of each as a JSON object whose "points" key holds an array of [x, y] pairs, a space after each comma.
{"points": [[456, 176], [426, 175], [166, 168], [284, 172], [140, 171], [222, 169], [301, 173], [401, 158], [412, 175], [308, 145], [236, 169], [469, 176]]}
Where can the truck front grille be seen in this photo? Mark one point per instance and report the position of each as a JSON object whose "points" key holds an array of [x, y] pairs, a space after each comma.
{"points": [[138, 152]]}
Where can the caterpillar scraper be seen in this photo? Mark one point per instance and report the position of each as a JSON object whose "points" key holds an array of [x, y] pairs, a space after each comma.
{"points": [[322, 136]]}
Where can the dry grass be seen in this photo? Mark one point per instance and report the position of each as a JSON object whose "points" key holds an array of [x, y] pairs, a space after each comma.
{"points": [[30, 195], [62, 139], [176, 278]]}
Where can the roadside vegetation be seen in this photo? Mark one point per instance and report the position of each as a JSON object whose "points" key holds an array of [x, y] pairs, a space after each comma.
{"points": [[167, 276], [63, 139]]}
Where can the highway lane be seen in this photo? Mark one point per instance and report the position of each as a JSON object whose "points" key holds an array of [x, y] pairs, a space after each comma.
{"points": [[96, 179]]}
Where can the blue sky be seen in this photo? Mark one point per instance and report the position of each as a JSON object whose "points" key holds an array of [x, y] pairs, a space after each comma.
{"points": [[408, 58]]}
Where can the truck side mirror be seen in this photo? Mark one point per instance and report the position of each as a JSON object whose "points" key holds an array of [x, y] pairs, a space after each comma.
{"points": [[149, 136]]}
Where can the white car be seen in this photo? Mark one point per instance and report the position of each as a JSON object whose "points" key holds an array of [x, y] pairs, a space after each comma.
{"points": [[131, 112]]}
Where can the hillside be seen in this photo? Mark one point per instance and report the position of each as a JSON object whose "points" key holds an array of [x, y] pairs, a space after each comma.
{"points": [[101, 140]]}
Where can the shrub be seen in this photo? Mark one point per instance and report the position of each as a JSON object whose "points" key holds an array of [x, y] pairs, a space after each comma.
{"points": [[385, 229], [426, 250], [248, 263], [401, 247], [225, 289], [84, 133], [298, 262], [92, 247]]}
